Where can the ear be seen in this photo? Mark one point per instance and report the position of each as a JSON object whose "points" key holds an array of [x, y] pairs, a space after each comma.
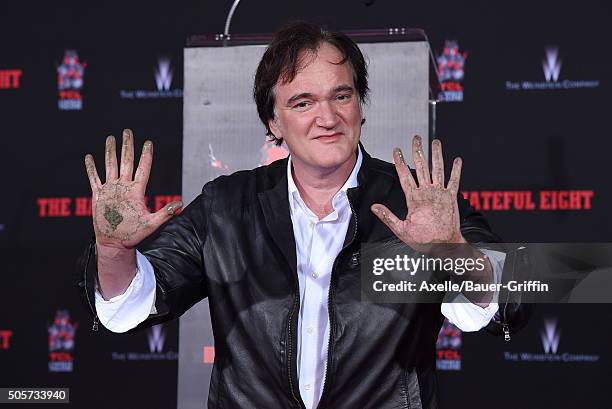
{"points": [[273, 124]]}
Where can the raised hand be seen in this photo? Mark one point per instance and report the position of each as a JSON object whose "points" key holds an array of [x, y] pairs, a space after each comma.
{"points": [[120, 217], [433, 214]]}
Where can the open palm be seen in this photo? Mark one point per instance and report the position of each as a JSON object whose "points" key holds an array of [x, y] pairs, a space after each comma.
{"points": [[433, 214], [120, 216]]}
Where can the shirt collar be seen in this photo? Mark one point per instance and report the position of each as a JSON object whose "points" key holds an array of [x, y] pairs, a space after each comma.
{"points": [[350, 182]]}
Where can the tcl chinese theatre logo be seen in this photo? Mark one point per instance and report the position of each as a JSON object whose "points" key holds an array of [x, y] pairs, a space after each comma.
{"points": [[70, 80], [451, 71], [61, 342]]}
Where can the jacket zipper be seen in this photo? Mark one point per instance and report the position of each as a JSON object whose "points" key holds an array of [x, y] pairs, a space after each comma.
{"points": [[290, 350], [94, 327], [330, 306], [504, 322]]}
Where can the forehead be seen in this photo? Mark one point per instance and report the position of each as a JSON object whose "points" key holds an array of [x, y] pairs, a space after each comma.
{"points": [[318, 71]]}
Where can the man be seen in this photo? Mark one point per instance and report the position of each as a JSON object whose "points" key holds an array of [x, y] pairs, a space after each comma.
{"points": [[277, 249]]}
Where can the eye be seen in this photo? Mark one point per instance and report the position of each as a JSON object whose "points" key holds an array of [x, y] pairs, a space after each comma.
{"points": [[302, 106], [344, 97]]}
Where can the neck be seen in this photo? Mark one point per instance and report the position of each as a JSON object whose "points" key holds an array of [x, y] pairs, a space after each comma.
{"points": [[317, 187]]}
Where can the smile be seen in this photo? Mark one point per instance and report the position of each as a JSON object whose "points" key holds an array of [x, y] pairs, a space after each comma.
{"points": [[329, 138]]}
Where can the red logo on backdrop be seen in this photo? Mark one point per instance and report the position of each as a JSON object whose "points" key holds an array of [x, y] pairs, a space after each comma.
{"points": [[448, 348], [214, 162], [451, 72], [270, 152], [61, 342], [81, 206], [208, 354], [5, 336], [527, 200], [70, 81], [10, 79]]}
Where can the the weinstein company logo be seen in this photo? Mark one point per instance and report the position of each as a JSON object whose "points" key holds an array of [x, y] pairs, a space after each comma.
{"points": [[451, 64], [552, 64], [448, 348], [550, 336], [551, 67], [70, 81], [61, 342], [156, 339], [163, 76]]}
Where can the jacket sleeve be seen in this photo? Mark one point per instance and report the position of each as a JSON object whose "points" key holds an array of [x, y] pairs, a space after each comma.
{"points": [[513, 314], [175, 252]]}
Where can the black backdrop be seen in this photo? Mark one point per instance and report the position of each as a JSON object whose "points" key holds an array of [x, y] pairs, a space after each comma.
{"points": [[527, 140]]}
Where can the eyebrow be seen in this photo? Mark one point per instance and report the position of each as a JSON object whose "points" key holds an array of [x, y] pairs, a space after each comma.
{"points": [[339, 88]]}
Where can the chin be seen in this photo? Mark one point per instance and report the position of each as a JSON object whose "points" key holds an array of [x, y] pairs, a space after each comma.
{"points": [[330, 158]]}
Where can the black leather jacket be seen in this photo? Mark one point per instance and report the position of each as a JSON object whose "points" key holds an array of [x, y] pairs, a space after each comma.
{"points": [[234, 244]]}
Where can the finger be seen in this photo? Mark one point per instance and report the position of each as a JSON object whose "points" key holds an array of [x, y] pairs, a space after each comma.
{"points": [[92, 173], [110, 158], [404, 173], [165, 213], [422, 167], [127, 156], [388, 218], [437, 163], [453, 182], [144, 165]]}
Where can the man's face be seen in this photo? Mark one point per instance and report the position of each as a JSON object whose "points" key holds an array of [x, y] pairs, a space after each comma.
{"points": [[318, 113]]}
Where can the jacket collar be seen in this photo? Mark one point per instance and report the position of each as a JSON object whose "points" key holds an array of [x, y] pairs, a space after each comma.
{"points": [[274, 200]]}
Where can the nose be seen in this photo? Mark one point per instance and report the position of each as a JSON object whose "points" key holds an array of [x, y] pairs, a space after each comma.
{"points": [[326, 115]]}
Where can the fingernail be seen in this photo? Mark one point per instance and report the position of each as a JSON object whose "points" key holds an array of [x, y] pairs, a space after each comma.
{"points": [[148, 145], [173, 207], [400, 156]]}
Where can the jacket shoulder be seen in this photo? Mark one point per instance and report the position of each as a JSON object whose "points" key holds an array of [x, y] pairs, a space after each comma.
{"points": [[242, 187]]}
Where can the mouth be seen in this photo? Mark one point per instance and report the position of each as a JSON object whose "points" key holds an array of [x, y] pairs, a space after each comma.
{"points": [[329, 138]]}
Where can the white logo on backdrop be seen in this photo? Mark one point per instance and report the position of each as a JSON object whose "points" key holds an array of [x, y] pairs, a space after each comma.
{"points": [[156, 338], [163, 75], [551, 64], [550, 337]]}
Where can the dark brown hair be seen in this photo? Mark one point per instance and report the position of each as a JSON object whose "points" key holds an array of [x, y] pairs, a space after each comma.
{"points": [[281, 62]]}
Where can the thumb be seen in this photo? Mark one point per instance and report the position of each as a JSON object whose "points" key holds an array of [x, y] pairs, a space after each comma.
{"points": [[387, 217], [165, 213]]}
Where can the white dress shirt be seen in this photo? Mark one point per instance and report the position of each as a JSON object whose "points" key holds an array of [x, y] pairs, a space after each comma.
{"points": [[318, 242]]}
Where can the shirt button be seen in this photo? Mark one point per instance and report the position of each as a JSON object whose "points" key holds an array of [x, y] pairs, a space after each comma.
{"points": [[310, 330], [307, 386], [312, 224], [315, 274]]}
